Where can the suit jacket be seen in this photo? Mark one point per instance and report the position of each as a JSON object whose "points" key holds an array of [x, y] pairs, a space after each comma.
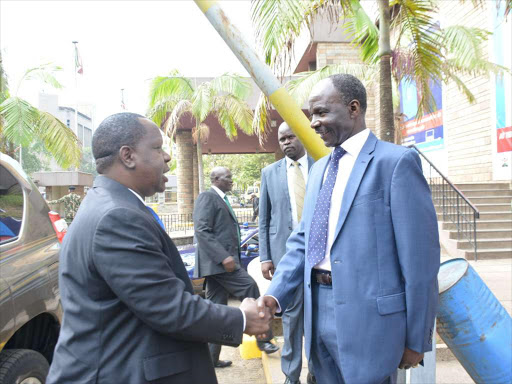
{"points": [[276, 222], [216, 232], [130, 315], [384, 259]]}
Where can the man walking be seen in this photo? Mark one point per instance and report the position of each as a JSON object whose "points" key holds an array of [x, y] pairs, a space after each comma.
{"points": [[217, 234], [283, 186], [367, 248], [130, 315]]}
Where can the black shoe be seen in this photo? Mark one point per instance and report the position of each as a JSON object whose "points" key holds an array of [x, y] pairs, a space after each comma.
{"points": [[290, 381], [222, 363], [267, 347], [311, 378]]}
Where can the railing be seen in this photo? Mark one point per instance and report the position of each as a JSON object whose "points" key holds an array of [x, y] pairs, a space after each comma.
{"points": [[184, 223], [455, 207]]}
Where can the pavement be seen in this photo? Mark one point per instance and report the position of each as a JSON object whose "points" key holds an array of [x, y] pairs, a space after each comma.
{"points": [[496, 274]]}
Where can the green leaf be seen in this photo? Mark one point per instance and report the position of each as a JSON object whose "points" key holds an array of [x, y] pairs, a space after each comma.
{"points": [[59, 140], [20, 120]]}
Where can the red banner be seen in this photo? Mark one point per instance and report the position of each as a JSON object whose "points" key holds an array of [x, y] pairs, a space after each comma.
{"points": [[504, 139]]}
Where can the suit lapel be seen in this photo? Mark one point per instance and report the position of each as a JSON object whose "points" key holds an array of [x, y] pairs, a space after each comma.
{"points": [[224, 205], [282, 174], [362, 161]]}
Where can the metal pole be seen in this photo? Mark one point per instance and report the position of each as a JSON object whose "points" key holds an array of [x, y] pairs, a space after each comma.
{"points": [[264, 78]]}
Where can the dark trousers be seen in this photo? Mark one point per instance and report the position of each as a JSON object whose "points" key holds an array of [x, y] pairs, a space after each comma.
{"points": [[324, 345], [218, 288]]}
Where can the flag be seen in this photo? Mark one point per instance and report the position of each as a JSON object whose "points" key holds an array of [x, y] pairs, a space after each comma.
{"points": [[78, 62]]}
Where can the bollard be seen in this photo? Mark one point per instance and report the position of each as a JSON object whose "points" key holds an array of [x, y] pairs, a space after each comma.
{"points": [[474, 324]]}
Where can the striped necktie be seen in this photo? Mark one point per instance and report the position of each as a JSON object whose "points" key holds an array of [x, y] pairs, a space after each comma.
{"points": [[318, 233], [299, 188], [156, 217]]}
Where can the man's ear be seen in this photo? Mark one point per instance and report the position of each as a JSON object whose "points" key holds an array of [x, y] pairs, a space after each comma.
{"points": [[127, 156], [355, 108]]}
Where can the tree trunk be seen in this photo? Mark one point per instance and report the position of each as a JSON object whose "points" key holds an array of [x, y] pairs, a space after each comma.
{"points": [[387, 125], [200, 162]]}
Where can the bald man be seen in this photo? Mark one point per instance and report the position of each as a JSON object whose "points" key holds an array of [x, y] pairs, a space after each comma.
{"points": [[217, 234]]}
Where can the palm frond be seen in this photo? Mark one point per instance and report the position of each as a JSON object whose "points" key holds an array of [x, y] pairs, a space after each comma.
{"points": [[202, 101], [59, 140], [233, 112], [173, 121], [260, 122], [202, 131], [301, 86], [232, 84], [164, 87], [44, 73], [363, 32], [158, 113], [416, 24], [20, 119]]}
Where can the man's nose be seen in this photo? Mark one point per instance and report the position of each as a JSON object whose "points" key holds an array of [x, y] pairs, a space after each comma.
{"points": [[167, 157], [315, 123]]}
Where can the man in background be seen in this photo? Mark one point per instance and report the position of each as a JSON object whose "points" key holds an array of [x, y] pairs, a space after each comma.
{"points": [[71, 203], [217, 233], [283, 186]]}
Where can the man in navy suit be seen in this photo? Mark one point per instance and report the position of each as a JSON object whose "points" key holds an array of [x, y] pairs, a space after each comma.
{"points": [[283, 186], [367, 248]]}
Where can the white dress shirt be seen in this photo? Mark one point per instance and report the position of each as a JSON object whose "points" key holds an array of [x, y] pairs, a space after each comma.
{"points": [[221, 194], [353, 146], [303, 166]]}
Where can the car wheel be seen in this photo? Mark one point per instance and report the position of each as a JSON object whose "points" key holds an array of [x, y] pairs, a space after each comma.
{"points": [[22, 366]]}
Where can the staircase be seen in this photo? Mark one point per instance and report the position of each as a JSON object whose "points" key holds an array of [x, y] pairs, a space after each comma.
{"points": [[493, 228]]}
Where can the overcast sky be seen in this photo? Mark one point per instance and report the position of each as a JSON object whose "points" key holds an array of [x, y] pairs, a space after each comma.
{"points": [[123, 44]]}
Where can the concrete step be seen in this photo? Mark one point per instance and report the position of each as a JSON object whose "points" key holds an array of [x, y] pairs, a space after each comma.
{"points": [[483, 216], [488, 192], [484, 224], [491, 200], [481, 186], [486, 244], [487, 234], [489, 254], [494, 207]]}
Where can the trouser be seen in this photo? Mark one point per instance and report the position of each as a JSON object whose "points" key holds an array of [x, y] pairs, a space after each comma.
{"points": [[324, 345], [238, 284], [293, 332]]}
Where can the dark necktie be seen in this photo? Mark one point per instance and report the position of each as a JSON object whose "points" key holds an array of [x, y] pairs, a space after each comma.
{"points": [[318, 233], [156, 217], [234, 216]]}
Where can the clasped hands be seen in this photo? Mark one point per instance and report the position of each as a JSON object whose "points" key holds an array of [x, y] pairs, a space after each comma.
{"points": [[258, 315]]}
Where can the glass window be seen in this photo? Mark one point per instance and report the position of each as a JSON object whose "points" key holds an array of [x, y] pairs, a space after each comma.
{"points": [[80, 133], [87, 137], [11, 206]]}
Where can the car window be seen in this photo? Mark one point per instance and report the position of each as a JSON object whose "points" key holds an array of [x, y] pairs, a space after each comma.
{"points": [[11, 207]]}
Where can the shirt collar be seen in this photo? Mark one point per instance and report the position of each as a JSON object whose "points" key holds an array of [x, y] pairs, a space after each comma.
{"points": [[138, 196], [303, 161], [354, 144], [221, 194]]}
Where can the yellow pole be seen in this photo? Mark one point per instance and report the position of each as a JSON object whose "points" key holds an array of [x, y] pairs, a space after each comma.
{"points": [[264, 78]]}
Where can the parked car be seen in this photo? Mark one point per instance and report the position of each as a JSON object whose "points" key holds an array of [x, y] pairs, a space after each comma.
{"points": [[30, 311], [250, 250]]}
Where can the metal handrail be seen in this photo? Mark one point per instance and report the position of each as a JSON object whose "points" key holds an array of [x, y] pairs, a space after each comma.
{"points": [[455, 209]]}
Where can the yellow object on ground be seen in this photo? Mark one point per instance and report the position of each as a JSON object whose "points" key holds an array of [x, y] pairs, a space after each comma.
{"points": [[249, 349]]}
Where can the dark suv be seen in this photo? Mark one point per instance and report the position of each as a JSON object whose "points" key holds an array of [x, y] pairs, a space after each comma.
{"points": [[30, 311]]}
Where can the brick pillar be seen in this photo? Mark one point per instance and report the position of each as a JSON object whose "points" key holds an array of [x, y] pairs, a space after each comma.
{"points": [[185, 173], [196, 173]]}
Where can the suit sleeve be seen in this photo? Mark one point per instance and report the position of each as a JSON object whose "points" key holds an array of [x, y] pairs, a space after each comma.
{"points": [[264, 221], [417, 240], [207, 242], [290, 273], [127, 254]]}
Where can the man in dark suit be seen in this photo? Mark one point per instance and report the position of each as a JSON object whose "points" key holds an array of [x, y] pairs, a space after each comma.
{"points": [[130, 315], [367, 248], [283, 186], [217, 233]]}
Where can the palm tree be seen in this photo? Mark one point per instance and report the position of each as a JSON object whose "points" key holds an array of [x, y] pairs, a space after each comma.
{"points": [[174, 96], [421, 52], [21, 123]]}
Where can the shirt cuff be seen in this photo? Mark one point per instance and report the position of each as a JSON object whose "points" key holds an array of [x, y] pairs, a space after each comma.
{"points": [[243, 314], [266, 261], [278, 305]]}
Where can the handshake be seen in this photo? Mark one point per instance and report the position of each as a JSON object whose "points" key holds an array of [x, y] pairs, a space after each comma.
{"points": [[258, 315]]}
